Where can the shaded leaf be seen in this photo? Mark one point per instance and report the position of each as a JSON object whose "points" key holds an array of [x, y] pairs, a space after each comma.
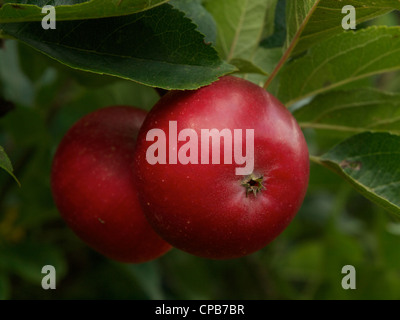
{"points": [[240, 26], [6, 165], [205, 22], [342, 59], [278, 37], [158, 47], [265, 59], [245, 66], [31, 10], [340, 111], [298, 12], [326, 20], [370, 162]]}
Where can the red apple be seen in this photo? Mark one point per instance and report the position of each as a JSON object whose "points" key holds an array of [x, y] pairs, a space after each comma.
{"points": [[224, 205], [93, 186]]}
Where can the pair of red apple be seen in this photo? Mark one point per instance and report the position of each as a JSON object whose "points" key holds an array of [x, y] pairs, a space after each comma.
{"points": [[132, 210]]}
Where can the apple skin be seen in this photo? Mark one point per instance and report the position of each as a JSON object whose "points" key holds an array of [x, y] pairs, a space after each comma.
{"points": [[204, 209], [93, 186]]}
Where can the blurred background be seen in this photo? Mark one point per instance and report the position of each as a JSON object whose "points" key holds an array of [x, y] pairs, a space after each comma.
{"points": [[40, 99]]}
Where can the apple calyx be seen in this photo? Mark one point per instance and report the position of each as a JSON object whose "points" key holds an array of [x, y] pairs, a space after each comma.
{"points": [[253, 184]]}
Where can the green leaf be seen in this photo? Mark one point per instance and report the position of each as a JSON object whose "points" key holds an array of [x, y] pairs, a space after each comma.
{"points": [[245, 66], [269, 23], [370, 162], [267, 58], [31, 10], [278, 36], [205, 22], [240, 26], [158, 47], [6, 165], [298, 12], [342, 59], [326, 20], [264, 59], [340, 111]]}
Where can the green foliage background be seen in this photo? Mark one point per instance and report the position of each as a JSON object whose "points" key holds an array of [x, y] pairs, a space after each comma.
{"points": [[41, 98]]}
